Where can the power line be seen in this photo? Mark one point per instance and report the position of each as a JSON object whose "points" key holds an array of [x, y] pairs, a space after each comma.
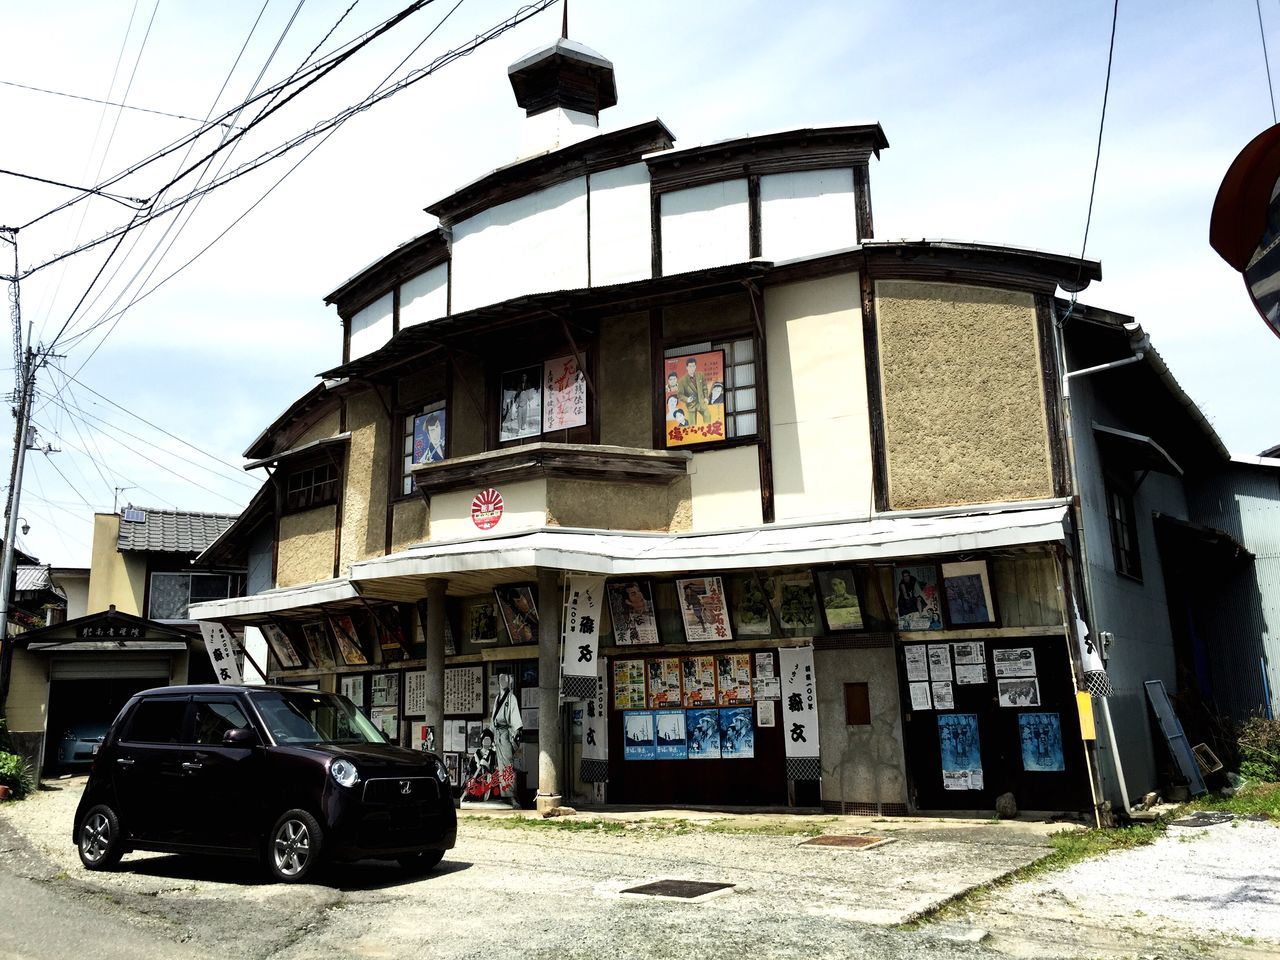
{"points": [[131, 481], [105, 103], [1265, 59], [71, 186]]}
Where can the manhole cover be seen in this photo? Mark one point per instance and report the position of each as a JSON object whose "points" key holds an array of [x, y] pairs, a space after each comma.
{"points": [[842, 840], [679, 889], [1203, 818]]}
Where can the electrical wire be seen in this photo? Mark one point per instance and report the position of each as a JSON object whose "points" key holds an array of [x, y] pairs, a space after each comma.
{"points": [[1266, 60], [70, 186], [132, 483], [105, 103]]}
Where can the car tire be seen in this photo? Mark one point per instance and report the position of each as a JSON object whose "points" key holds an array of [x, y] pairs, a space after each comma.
{"points": [[99, 839], [423, 862], [294, 846]]}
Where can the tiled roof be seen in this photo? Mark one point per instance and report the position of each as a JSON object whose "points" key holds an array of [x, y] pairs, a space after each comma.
{"points": [[33, 578], [170, 531]]}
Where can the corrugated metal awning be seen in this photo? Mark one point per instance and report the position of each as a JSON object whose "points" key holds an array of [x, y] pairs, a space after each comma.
{"points": [[261, 606], [1134, 450]]}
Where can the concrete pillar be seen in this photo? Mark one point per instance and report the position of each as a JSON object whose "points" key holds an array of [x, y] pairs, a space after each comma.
{"points": [[549, 606], [433, 631]]}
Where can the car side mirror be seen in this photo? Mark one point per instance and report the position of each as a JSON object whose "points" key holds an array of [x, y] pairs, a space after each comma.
{"points": [[239, 737]]}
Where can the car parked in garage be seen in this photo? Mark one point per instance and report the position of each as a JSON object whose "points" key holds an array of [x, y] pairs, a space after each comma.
{"points": [[295, 777], [79, 743]]}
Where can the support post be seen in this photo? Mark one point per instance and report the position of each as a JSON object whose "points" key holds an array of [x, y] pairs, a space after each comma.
{"points": [[11, 526], [549, 609], [433, 631]]}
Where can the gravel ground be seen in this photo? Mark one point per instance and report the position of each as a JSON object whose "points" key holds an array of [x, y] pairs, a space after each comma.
{"points": [[556, 893]]}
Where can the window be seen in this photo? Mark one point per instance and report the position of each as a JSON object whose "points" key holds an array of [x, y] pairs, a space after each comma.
{"points": [[312, 487], [173, 593], [543, 398], [1124, 529], [214, 719], [424, 439], [157, 721], [709, 392]]}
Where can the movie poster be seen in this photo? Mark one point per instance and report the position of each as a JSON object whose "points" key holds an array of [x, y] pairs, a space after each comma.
{"points": [[664, 682], [703, 728], [917, 600], [737, 735], [317, 636], [480, 620], [429, 433], [670, 734], [348, 639], [521, 411], [794, 602], [750, 607], [961, 751], [703, 610], [280, 645], [631, 608], [733, 678], [637, 736], [519, 613], [840, 599], [1041, 735], [699, 681], [693, 390], [628, 685], [564, 395]]}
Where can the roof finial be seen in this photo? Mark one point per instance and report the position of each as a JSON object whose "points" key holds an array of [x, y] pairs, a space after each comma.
{"points": [[564, 25]]}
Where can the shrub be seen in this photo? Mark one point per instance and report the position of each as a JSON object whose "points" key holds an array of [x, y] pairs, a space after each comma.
{"points": [[1259, 743], [15, 773]]}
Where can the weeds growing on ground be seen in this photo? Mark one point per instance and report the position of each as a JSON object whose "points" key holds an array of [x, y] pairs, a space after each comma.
{"points": [[1252, 798]]}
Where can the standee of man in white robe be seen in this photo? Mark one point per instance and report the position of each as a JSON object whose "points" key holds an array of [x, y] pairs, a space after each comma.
{"points": [[506, 725]]}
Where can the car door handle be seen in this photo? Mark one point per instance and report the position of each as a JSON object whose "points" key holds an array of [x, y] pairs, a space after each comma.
{"points": [[125, 761], [193, 766]]}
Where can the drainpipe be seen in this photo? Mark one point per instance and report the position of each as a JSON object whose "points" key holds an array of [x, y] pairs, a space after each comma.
{"points": [[1139, 351]]}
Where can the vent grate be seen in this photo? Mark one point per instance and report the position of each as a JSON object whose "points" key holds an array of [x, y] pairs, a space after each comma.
{"points": [[679, 889], [845, 841]]}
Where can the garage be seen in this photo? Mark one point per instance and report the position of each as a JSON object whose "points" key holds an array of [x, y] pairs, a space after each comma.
{"points": [[85, 694]]}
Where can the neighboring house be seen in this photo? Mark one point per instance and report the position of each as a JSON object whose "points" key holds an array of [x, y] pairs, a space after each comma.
{"points": [[827, 478], [133, 632], [73, 582], [36, 597]]}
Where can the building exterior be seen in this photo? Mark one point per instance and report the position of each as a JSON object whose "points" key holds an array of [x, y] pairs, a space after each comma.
{"points": [[804, 501], [134, 632]]}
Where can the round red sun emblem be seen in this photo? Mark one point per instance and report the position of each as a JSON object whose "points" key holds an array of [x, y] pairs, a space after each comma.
{"points": [[486, 509]]}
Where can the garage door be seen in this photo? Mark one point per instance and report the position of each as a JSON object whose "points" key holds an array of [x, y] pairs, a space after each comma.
{"points": [[115, 667]]}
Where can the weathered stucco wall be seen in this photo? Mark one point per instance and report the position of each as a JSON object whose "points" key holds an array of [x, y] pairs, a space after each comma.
{"points": [[860, 764], [409, 521], [524, 507], [963, 400], [620, 506], [114, 577], [726, 488], [28, 692], [326, 426], [626, 379], [692, 322], [820, 429], [305, 554], [364, 504], [466, 407]]}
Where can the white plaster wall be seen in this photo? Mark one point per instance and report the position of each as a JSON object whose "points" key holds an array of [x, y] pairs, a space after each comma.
{"points": [[371, 327], [807, 212], [726, 488], [621, 229], [821, 429], [524, 507], [532, 244], [705, 226], [425, 297]]}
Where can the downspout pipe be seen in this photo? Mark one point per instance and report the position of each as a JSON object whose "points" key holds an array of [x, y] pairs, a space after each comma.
{"points": [[1140, 347]]}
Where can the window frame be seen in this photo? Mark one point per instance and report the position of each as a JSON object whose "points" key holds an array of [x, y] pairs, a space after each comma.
{"points": [[1122, 520], [588, 362], [314, 501], [188, 574], [715, 340]]}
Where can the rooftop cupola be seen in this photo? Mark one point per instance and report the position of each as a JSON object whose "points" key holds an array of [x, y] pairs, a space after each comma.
{"points": [[562, 88]]}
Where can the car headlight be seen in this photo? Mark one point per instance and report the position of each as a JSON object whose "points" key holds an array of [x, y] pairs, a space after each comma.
{"points": [[344, 773], [442, 772]]}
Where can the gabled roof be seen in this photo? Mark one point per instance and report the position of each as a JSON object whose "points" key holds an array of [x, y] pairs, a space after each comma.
{"points": [[172, 531], [33, 578], [122, 627]]}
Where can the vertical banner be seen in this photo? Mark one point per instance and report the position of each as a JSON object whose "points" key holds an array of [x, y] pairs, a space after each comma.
{"points": [[595, 731], [580, 647], [799, 713], [222, 652]]}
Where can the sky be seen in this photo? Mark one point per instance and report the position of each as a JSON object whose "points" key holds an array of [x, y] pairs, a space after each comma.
{"points": [[181, 355]]}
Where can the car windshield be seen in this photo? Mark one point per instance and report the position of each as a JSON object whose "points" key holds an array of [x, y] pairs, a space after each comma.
{"points": [[300, 716]]}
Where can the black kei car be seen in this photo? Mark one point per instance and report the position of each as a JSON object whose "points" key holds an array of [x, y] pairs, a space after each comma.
{"points": [[292, 776]]}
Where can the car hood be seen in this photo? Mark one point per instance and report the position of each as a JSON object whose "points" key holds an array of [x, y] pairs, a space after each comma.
{"points": [[374, 759]]}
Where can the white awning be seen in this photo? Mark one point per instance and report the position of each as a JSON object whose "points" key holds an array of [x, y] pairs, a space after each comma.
{"points": [[275, 601], [623, 554]]}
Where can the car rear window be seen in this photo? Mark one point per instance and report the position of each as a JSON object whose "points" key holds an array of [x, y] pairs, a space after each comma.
{"points": [[157, 721], [213, 719]]}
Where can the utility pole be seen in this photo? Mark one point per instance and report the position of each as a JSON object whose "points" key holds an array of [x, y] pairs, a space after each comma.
{"points": [[27, 380]]}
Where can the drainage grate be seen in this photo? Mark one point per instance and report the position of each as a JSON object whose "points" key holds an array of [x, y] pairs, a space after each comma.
{"points": [[1203, 818], [844, 840], [679, 889]]}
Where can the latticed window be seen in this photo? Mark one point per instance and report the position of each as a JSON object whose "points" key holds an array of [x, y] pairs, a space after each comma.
{"points": [[734, 387], [1124, 530], [312, 487]]}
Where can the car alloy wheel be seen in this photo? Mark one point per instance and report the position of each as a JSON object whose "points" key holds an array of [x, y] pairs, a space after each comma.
{"points": [[100, 841], [294, 846]]}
